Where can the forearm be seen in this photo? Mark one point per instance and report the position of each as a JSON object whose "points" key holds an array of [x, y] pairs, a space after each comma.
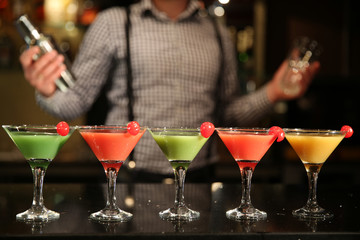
{"points": [[61, 106], [91, 69]]}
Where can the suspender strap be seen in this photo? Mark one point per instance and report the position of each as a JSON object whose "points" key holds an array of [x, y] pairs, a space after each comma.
{"points": [[218, 109], [129, 75], [129, 90]]}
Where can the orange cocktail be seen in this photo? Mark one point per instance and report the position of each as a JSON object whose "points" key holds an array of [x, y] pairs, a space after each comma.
{"points": [[314, 146]]}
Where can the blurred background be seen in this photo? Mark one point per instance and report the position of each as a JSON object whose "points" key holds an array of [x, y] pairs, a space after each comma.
{"points": [[262, 30]]}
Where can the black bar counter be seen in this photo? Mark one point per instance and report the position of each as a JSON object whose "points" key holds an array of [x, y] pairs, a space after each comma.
{"points": [[75, 202]]}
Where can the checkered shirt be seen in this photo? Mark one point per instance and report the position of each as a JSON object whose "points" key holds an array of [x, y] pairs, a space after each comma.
{"points": [[175, 69]]}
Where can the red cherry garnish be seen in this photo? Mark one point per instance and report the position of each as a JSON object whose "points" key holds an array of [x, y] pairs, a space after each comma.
{"points": [[133, 128], [62, 128], [207, 129], [349, 131], [278, 132]]}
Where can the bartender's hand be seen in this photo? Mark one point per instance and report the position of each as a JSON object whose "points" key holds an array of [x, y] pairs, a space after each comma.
{"points": [[42, 73], [275, 91]]}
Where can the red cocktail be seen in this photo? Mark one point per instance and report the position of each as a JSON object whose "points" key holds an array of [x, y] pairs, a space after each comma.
{"points": [[248, 146], [111, 145]]}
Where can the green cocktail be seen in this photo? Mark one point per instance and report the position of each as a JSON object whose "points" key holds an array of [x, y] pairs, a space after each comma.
{"points": [[180, 146], [39, 145]]}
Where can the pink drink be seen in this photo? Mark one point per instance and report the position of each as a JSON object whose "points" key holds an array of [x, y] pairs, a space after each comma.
{"points": [[112, 145], [111, 148], [247, 149], [248, 146]]}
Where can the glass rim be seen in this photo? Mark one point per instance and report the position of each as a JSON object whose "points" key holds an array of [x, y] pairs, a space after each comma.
{"points": [[173, 129], [34, 126], [312, 131], [105, 127], [242, 130]]}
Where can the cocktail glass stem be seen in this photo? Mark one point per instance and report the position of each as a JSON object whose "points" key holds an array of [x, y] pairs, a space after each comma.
{"points": [[38, 212], [246, 176], [312, 208], [312, 179], [111, 212], [246, 210], [179, 212], [180, 174], [38, 177], [111, 175]]}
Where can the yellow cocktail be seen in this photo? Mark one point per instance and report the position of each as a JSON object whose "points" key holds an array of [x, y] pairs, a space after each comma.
{"points": [[313, 148]]}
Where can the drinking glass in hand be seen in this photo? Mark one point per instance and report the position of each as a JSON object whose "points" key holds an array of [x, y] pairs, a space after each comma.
{"points": [[303, 52]]}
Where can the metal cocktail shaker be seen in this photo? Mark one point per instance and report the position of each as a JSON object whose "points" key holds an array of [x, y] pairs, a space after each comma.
{"points": [[33, 37]]}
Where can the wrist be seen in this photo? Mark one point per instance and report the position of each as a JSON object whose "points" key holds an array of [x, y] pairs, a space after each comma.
{"points": [[271, 92]]}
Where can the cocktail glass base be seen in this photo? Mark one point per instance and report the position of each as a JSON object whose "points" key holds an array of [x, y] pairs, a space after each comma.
{"points": [[38, 214], [181, 213], [317, 212], [107, 215], [246, 214]]}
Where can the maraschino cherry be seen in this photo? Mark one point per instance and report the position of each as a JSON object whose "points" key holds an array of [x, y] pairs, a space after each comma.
{"points": [[349, 131], [62, 128], [278, 132], [207, 129], [133, 128]]}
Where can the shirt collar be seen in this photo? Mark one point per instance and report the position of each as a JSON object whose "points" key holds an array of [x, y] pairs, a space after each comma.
{"points": [[147, 8]]}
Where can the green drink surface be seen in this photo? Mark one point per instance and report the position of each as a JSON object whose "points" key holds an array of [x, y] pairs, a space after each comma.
{"points": [[38, 145], [178, 146]]}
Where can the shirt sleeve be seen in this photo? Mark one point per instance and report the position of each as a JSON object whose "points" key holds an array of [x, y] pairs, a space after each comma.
{"points": [[240, 110], [91, 69]]}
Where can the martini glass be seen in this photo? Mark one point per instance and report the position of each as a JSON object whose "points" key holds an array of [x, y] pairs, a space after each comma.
{"points": [[248, 146], [313, 148], [39, 145], [111, 145], [180, 146]]}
